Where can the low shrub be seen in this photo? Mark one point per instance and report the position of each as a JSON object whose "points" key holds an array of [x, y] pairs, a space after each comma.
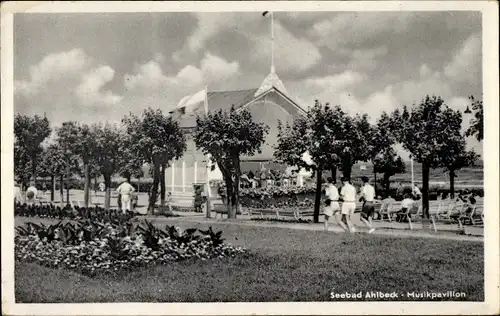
{"points": [[91, 247], [282, 220]]}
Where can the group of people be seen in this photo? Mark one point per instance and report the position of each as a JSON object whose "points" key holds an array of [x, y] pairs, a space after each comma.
{"points": [[265, 177], [348, 197]]}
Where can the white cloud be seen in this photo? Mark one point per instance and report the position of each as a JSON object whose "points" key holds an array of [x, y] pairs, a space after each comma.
{"points": [[210, 24], [69, 75], [212, 68], [337, 82], [217, 68], [290, 52], [466, 64], [150, 86], [251, 26], [355, 28], [89, 90], [53, 67]]}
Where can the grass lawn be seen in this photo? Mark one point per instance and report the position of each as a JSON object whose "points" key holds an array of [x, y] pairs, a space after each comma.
{"points": [[283, 265]]}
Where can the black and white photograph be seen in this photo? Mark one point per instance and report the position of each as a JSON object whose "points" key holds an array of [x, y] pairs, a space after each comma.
{"points": [[284, 157]]}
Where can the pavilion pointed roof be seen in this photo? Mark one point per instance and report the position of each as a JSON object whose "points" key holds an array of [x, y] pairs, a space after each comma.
{"points": [[272, 80]]}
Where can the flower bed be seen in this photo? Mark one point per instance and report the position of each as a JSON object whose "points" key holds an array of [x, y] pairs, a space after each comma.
{"points": [[67, 212], [92, 247]]}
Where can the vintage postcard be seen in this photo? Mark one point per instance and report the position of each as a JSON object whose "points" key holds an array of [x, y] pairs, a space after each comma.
{"points": [[250, 158]]}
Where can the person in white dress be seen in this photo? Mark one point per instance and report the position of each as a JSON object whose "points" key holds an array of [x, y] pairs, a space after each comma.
{"points": [[332, 206], [125, 190], [31, 193], [348, 195]]}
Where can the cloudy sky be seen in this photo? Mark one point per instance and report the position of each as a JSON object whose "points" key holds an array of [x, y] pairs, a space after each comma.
{"points": [[97, 67]]}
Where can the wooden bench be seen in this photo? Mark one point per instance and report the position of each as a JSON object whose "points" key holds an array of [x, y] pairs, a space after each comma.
{"points": [[221, 209]]}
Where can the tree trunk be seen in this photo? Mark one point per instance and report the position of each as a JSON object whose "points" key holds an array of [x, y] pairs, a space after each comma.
{"points": [[61, 188], [107, 196], [317, 200], [86, 185], [425, 189], [346, 170], [333, 170], [229, 197], [237, 180], [52, 187], [67, 194], [162, 185], [154, 189], [33, 169], [452, 183], [387, 184]]}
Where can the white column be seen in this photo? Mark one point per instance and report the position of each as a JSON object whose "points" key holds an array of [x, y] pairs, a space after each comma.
{"points": [[173, 177], [195, 171], [183, 176]]}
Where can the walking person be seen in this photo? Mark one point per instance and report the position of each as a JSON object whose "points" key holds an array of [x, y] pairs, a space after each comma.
{"points": [[31, 193], [332, 206], [125, 190], [368, 197], [348, 195]]}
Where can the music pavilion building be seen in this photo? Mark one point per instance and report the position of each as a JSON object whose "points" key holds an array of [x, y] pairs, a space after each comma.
{"points": [[268, 103]]}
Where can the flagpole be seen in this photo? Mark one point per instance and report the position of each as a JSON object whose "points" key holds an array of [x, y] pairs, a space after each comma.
{"points": [[272, 42], [207, 158]]}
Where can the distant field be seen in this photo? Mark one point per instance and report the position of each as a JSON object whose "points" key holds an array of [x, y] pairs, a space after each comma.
{"points": [[469, 176]]}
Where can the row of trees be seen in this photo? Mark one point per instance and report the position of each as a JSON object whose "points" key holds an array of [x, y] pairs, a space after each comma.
{"points": [[98, 150], [335, 141], [431, 132]]}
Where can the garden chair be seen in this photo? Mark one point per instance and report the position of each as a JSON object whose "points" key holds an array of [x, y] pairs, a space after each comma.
{"points": [[475, 217], [445, 210], [414, 214], [385, 210]]}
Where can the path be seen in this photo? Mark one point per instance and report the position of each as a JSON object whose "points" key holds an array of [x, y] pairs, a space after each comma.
{"points": [[397, 230]]}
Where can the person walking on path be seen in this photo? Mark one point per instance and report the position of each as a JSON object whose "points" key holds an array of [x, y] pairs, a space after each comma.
{"points": [[31, 193], [368, 197], [348, 195], [125, 190], [332, 206]]}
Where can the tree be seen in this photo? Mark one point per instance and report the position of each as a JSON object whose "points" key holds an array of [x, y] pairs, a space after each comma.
{"points": [[477, 124], [29, 133], [226, 136], [320, 133], [54, 164], [107, 154], [22, 164], [79, 141], [381, 152], [425, 133], [389, 164], [72, 142], [356, 135], [454, 156], [156, 139]]}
